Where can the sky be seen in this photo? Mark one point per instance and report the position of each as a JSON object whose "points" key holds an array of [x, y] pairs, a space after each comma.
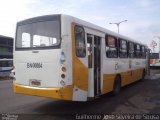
{"points": [[143, 16]]}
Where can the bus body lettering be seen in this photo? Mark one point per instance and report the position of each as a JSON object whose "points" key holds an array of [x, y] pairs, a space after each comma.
{"points": [[34, 65]]}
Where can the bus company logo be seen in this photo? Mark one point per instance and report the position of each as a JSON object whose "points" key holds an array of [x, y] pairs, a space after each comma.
{"points": [[34, 65]]}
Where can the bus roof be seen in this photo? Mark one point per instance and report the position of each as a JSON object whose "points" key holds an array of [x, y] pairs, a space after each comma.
{"points": [[39, 19], [104, 30], [78, 21]]}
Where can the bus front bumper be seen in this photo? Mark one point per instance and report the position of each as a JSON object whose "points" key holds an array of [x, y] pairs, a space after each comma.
{"points": [[56, 93]]}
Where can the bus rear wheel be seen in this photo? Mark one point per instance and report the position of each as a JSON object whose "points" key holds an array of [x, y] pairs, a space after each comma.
{"points": [[117, 85]]}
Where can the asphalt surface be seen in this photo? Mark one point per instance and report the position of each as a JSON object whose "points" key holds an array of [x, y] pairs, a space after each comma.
{"points": [[142, 97]]}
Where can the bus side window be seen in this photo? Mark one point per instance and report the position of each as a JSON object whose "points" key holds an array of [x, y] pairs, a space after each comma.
{"points": [[123, 49], [80, 41], [111, 47], [143, 50], [137, 51], [131, 50]]}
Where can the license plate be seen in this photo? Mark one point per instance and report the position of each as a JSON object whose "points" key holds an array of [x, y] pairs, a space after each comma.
{"points": [[35, 83]]}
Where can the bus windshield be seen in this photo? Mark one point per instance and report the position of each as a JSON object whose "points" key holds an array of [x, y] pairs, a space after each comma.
{"points": [[41, 34]]}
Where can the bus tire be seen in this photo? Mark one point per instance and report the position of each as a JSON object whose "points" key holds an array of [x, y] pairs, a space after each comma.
{"points": [[117, 85]]}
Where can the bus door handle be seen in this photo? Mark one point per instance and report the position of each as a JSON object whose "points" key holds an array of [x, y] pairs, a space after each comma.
{"points": [[116, 66]]}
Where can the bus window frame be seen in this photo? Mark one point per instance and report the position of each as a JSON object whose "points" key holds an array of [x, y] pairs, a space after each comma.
{"points": [[137, 51], [120, 48], [107, 47], [84, 42], [130, 50], [143, 53]]}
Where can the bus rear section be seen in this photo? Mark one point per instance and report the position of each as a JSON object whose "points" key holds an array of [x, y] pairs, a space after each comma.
{"points": [[39, 60]]}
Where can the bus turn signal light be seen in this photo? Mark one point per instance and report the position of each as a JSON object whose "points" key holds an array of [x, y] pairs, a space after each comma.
{"points": [[64, 69], [63, 76]]}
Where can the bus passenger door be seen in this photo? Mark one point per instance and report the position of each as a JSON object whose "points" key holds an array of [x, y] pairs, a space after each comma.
{"points": [[97, 65], [94, 65], [90, 50]]}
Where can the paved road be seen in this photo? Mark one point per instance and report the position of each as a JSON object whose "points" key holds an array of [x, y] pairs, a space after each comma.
{"points": [[140, 97]]}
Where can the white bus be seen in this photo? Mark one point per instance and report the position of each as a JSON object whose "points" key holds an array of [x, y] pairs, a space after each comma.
{"points": [[63, 57]]}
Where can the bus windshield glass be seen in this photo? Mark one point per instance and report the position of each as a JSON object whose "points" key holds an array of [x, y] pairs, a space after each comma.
{"points": [[41, 34]]}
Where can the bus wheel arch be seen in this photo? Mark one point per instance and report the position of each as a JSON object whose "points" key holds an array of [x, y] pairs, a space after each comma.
{"points": [[117, 85]]}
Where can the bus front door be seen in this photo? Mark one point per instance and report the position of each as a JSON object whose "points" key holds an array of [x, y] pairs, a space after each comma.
{"points": [[94, 65]]}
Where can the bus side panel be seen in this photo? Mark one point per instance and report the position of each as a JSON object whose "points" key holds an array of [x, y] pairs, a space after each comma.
{"points": [[109, 74], [80, 74], [66, 47], [125, 78], [138, 65], [108, 81], [128, 76]]}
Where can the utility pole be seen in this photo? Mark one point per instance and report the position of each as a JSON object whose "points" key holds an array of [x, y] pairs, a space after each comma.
{"points": [[118, 23]]}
